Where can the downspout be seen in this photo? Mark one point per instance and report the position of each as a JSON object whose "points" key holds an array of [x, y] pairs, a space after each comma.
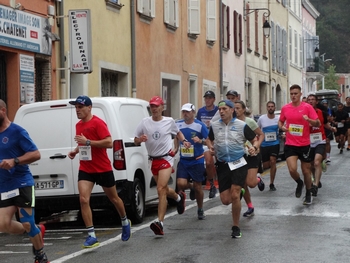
{"points": [[220, 52], [62, 56], [133, 55]]}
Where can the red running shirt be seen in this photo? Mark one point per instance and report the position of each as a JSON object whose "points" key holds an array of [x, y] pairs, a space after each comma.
{"points": [[95, 129]]}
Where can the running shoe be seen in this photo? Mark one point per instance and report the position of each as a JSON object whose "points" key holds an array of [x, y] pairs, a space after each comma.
{"points": [[41, 259], [201, 214], [307, 200], [126, 231], [348, 149], [236, 232], [212, 191], [91, 242], [42, 231], [341, 151], [181, 205], [299, 190], [157, 228], [249, 212], [324, 166], [328, 160], [338, 145], [319, 184], [261, 184], [192, 194], [272, 187], [314, 190]]}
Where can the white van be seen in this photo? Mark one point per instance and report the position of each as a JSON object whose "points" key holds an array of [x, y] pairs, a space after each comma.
{"points": [[51, 125]]}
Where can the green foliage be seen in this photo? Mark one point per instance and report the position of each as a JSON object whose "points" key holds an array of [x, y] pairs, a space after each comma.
{"points": [[331, 80], [332, 27]]}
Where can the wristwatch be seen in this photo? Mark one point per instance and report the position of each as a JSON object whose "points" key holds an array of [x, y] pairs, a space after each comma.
{"points": [[88, 142], [16, 161]]}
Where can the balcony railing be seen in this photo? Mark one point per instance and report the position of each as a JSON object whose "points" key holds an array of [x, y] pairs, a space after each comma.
{"points": [[317, 65]]}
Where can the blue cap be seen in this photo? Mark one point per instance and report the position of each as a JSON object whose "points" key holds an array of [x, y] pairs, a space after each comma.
{"points": [[82, 100], [227, 103], [324, 101]]}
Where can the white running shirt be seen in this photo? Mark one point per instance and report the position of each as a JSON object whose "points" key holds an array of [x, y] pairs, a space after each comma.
{"points": [[159, 134]]}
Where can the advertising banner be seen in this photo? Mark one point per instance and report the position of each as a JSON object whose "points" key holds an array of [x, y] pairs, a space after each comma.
{"points": [[80, 41], [24, 31], [26, 73]]}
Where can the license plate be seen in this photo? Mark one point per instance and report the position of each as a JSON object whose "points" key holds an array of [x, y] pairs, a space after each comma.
{"points": [[55, 184]]}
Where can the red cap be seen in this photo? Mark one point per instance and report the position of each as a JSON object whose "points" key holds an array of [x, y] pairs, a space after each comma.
{"points": [[156, 100]]}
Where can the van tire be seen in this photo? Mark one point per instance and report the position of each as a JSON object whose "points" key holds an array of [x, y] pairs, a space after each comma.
{"points": [[136, 210]]}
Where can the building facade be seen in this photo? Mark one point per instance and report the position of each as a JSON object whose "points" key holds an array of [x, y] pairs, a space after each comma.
{"points": [[27, 52]]}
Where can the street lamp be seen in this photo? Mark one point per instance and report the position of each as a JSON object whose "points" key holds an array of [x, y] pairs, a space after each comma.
{"points": [[266, 25]]}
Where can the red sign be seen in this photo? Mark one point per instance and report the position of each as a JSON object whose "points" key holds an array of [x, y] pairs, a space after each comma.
{"points": [[33, 34]]}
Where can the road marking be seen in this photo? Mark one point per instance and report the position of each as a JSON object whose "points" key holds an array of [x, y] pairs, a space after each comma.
{"points": [[12, 252]]}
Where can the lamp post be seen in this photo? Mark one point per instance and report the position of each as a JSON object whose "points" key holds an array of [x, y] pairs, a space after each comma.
{"points": [[266, 25]]}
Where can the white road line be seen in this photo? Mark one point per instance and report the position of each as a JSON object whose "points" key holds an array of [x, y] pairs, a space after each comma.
{"points": [[12, 252], [117, 238]]}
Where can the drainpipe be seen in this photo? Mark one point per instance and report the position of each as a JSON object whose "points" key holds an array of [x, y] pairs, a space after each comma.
{"points": [[133, 55], [220, 52], [62, 56]]}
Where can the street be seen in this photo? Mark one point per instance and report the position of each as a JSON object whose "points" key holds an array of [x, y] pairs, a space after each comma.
{"points": [[282, 230]]}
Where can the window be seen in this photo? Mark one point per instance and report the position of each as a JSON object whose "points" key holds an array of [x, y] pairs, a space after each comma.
{"points": [[237, 33], [226, 26], [146, 8], [278, 48], [171, 13], [193, 17], [247, 17], [114, 4], [290, 44], [256, 30], [211, 20], [109, 83], [284, 52]]}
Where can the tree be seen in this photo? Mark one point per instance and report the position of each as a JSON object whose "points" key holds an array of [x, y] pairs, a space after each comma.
{"points": [[330, 79]]}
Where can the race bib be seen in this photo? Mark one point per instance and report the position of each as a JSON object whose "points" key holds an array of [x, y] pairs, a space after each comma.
{"points": [[340, 125], [187, 152], [296, 129], [237, 164], [85, 153], [315, 137], [270, 136], [9, 194]]}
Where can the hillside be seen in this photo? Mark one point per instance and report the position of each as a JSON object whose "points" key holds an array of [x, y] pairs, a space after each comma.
{"points": [[334, 32]]}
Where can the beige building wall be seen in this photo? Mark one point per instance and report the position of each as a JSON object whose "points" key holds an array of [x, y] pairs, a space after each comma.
{"points": [[172, 64], [111, 50]]}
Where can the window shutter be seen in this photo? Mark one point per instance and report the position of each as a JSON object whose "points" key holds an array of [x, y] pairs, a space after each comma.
{"points": [[273, 45], [256, 31], [166, 11], [284, 50], [235, 40], [153, 8], [140, 6], [211, 20], [193, 17], [278, 46], [176, 5], [228, 26], [240, 40]]}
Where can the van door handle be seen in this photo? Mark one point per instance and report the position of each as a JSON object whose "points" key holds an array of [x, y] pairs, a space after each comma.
{"points": [[58, 156]]}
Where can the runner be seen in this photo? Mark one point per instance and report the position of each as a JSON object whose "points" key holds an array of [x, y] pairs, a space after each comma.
{"points": [[270, 147], [340, 118], [295, 120]]}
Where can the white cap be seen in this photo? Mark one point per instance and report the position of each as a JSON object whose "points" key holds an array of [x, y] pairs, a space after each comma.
{"points": [[188, 107]]}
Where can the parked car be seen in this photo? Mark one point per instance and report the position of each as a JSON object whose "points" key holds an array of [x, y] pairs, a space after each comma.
{"points": [[51, 125]]}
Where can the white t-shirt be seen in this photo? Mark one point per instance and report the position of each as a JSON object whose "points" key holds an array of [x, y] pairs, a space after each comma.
{"points": [[159, 134]]}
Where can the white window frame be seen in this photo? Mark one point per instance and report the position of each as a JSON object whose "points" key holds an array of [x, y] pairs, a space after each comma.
{"points": [[147, 7], [194, 17], [211, 20], [171, 13]]}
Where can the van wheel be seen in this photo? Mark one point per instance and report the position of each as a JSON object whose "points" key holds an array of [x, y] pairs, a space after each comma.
{"points": [[136, 211]]}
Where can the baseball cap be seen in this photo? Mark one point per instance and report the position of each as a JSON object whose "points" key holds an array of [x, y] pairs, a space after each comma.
{"points": [[227, 103], [209, 93], [188, 107], [81, 100], [232, 92], [324, 101], [156, 100]]}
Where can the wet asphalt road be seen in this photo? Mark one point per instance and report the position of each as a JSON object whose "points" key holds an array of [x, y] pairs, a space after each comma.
{"points": [[282, 230]]}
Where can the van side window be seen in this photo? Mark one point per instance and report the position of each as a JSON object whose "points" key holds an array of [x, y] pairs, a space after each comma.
{"points": [[134, 112]]}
